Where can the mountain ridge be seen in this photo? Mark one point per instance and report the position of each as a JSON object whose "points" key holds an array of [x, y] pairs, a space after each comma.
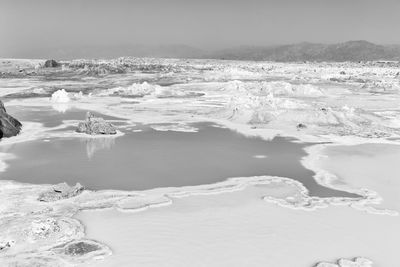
{"points": [[347, 51], [358, 50]]}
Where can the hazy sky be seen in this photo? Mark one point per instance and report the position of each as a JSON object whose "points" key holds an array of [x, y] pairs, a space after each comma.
{"points": [[30, 24]]}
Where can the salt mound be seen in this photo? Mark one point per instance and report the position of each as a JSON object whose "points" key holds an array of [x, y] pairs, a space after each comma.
{"points": [[39, 91], [249, 108], [238, 72], [287, 89], [276, 103], [146, 89], [78, 95], [308, 90], [277, 88], [134, 90], [60, 96], [381, 86]]}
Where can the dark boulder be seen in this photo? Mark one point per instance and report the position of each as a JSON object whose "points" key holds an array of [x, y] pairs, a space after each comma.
{"points": [[51, 63], [9, 126], [95, 125]]}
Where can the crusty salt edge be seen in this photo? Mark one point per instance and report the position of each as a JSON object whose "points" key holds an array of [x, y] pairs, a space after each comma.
{"points": [[356, 262], [327, 179]]}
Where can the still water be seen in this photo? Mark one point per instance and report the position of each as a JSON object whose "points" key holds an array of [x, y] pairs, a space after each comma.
{"points": [[144, 158]]}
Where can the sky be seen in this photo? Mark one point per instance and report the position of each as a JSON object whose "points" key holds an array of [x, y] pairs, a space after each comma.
{"points": [[29, 26]]}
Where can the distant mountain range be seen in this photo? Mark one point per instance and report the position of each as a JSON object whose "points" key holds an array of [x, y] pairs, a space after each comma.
{"points": [[347, 51]]}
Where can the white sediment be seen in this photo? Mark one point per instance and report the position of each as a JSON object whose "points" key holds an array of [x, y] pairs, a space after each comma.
{"points": [[258, 221], [174, 128], [60, 96], [241, 230]]}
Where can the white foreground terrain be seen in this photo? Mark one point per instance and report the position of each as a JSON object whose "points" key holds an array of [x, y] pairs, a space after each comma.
{"points": [[350, 111]]}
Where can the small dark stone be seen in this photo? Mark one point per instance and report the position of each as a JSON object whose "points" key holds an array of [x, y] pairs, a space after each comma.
{"points": [[301, 126], [6, 245], [334, 79]]}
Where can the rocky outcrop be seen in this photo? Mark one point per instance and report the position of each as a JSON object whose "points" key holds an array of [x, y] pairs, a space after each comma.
{"points": [[95, 125], [9, 126], [51, 63], [61, 191]]}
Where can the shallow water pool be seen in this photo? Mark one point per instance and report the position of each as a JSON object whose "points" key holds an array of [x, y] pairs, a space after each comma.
{"points": [[145, 158]]}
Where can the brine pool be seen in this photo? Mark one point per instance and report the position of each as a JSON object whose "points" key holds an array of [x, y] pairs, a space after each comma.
{"points": [[145, 158]]}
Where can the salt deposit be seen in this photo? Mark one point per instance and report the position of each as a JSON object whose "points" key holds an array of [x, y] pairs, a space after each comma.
{"points": [[255, 220], [134, 90], [60, 96]]}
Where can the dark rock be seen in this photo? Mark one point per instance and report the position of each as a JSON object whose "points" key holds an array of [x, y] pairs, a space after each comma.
{"points": [[95, 125], [80, 248], [333, 79], [51, 63], [7, 244], [9, 126], [301, 126], [61, 191], [343, 73], [359, 80]]}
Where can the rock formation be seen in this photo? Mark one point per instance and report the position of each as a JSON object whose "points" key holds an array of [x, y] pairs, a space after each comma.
{"points": [[61, 191], [9, 126], [51, 63], [95, 125]]}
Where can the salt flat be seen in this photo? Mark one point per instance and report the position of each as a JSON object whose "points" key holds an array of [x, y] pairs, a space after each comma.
{"points": [[348, 110], [236, 229]]}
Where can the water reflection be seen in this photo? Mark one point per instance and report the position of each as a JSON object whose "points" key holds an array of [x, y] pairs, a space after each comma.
{"points": [[96, 144], [61, 107]]}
